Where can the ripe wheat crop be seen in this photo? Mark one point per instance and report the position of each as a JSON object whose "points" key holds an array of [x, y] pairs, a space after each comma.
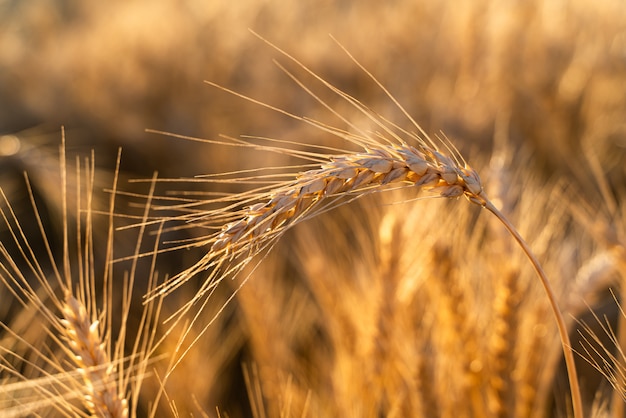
{"points": [[343, 274]]}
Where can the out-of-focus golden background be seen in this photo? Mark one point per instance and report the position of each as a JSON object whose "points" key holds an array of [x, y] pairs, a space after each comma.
{"points": [[543, 79], [552, 71]]}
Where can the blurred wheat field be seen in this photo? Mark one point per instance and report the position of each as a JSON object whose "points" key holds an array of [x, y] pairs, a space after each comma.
{"points": [[388, 305]]}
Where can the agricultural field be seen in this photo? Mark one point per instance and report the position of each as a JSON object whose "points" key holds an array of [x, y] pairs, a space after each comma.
{"points": [[313, 208]]}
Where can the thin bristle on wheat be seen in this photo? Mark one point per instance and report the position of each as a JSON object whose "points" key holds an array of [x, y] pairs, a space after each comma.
{"points": [[89, 354]]}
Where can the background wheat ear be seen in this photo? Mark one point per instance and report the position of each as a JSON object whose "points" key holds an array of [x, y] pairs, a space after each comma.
{"points": [[88, 351], [86, 355], [566, 344]]}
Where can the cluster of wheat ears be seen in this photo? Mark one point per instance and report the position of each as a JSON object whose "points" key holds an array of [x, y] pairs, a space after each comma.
{"points": [[78, 351]]}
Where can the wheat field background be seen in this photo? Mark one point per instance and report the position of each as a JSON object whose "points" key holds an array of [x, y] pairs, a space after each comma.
{"points": [[388, 305]]}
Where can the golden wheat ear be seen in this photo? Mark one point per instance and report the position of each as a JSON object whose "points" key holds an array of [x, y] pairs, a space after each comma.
{"points": [[78, 362], [249, 223]]}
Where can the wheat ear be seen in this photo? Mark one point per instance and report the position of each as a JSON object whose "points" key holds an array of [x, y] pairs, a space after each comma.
{"points": [[390, 155], [266, 215], [90, 356], [83, 356], [423, 167], [502, 343]]}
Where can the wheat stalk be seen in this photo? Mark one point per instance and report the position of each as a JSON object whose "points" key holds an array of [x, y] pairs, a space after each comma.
{"points": [[253, 221]]}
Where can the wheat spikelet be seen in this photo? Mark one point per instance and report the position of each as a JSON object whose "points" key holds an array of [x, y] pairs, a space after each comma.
{"points": [[385, 352], [501, 345], [93, 363], [528, 375], [456, 331]]}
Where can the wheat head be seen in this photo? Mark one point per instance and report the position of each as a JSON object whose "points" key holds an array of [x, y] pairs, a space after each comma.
{"points": [[90, 356], [424, 167], [253, 221], [86, 356]]}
